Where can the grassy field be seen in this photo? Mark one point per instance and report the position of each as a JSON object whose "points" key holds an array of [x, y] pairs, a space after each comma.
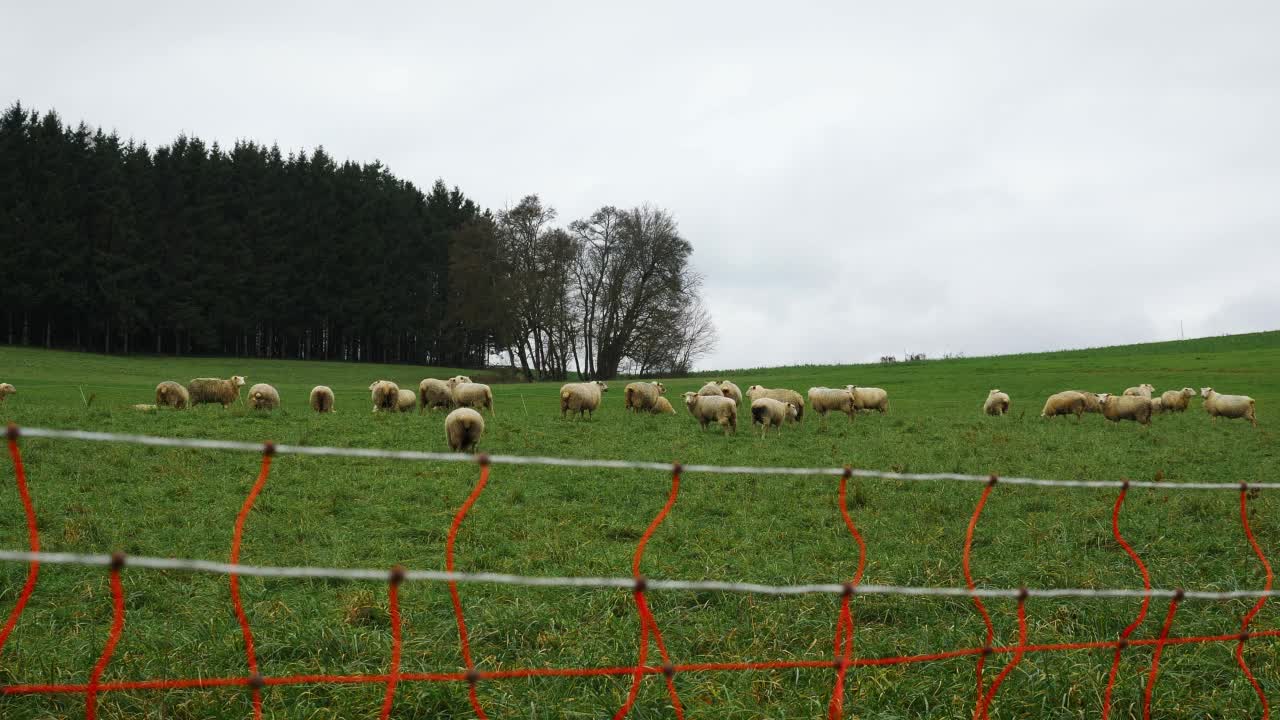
{"points": [[545, 521]]}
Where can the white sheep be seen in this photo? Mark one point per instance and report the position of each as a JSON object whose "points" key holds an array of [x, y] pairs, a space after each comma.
{"points": [[662, 406], [6, 390], [755, 392], [463, 429], [321, 399], [869, 398], [215, 390], [406, 400], [823, 400], [712, 388], [263, 397], [1177, 400], [1229, 406], [1143, 390], [433, 393], [639, 396], [386, 395], [1126, 407], [468, 394], [713, 408], [767, 411], [1157, 405], [731, 391], [997, 403], [172, 394], [582, 397], [1064, 403]]}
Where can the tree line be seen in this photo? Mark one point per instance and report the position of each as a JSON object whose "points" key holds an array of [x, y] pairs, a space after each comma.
{"points": [[191, 248]]}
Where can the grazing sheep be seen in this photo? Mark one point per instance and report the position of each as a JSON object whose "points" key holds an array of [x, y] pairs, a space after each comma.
{"points": [[1177, 400], [463, 428], [583, 397], [712, 388], [869, 398], [433, 393], [6, 390], [215, 390], [1091, 402], [1065, 403], [755, 392], [1143, 390], [997, 403], [322, 399], [824, 400], [263, 397], [767, 411], [1157, 405], [662, 406], [639, 396], [731, 391], [1229, 406], [406, 400], [172, 394], [458, 379], [1126, 407], [386, 395], [709, 408], [468, 394]]}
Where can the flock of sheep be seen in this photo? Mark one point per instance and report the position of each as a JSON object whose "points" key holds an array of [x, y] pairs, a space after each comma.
{"points": [[1136, 404]]}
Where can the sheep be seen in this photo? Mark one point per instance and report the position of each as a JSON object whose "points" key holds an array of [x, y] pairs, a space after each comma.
{"points": [[6, 390], [767, 411], [712, 388], [406, 400], [215, 390], [639, 396], [468, 394], [997, 403], [463, 428], [263, 397], [322, 399], [1126, 407], [755, 392], [1143, 390], [824, 400], [433, 393], [869, 398], [583, 397], [386, 395], [662, 406], [1157, 405], [1177, 400], [731, 391], [172, 394], [1091, 402], [708, 408], [1229, 406], [1065, 403]]}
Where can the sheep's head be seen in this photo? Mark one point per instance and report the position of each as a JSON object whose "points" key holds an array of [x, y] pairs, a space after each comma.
{"points": [[993, 391], [237, 381], [754, 388], [1188, 392], [603, 386], [1148, 387], [1204, 391], [7, 389], [792, 411], [691, 399], [662, 389], [1103, 397]]}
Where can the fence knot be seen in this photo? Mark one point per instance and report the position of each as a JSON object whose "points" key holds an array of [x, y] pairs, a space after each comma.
{"points": [[397, 575], [12, 432], [117, 560], [257, 682], [676, 467], [268, 448], [482, 459], [472, 676], [669, 670], [992, 480], [641, 584]]}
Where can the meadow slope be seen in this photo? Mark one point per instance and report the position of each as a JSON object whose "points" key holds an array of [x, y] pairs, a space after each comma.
{"points": [[553, 521]]}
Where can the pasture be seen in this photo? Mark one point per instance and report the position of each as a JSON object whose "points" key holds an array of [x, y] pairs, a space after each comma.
{"points": [[558, 521]]}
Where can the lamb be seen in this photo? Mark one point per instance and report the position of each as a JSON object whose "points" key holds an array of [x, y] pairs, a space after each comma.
{"points": [[1126, 407], [406, 400], [386, 395], [824, 400], [869, 398], [263, 397], [1157, 405], [712, 388], [322, 399], [1065, 403], [215, 390], [468, 394], [731, 391], [1177, 400], [463, 428], [709, 408], [767, 411], [639, 396], [172, 394], [1229, 406], [663, 407], [755, 392], [6, 390], [997, 403], [1143, 390], [1091, 402], [583, 397], [434, 394]]}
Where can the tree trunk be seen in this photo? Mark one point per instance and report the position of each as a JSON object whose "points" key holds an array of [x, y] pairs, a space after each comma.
{"points": [[48, 333], [106, 341]]}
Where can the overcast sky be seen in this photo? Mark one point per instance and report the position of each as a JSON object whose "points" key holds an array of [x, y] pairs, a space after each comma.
{"points": [[924, 176]]}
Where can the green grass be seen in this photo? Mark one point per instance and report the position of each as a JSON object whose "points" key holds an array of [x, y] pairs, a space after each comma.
{"points": [[532, 520]]}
